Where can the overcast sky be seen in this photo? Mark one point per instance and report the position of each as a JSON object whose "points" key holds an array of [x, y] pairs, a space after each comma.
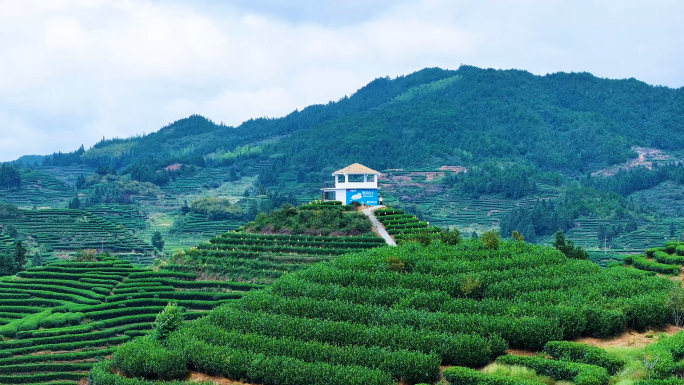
{"points": [[72, 72]]}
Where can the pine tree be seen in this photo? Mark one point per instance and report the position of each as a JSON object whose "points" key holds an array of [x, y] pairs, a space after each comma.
{"points": [[37, 260], [75, 203], [19, 255]]}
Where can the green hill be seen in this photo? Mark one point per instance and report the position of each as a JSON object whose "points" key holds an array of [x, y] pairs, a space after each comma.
{"points": [[393, 315], [561, 122]]}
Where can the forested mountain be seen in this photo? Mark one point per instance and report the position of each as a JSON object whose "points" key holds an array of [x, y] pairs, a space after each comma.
{"points": [[566, 122], [530, 145]]}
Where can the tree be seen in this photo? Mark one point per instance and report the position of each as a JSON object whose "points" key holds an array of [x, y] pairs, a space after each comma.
{"points": [[37, 260], [676, 303], [11, 231], [87, 255], [7, 265], [450, 237], [80, 182], [9, 211], [75, 203], [9, 177], [673, 229], [490, 239], [19, 255], [517, 236], [568, 248], [158, 241]]}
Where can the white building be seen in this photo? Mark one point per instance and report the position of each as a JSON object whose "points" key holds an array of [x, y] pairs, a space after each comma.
{"points": [[354, 183]]}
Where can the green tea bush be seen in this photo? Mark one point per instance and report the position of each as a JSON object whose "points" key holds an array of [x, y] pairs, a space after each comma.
{"points": [[580, 374], [663, 356], [275, 370], [145, 357], [101, 374], [663, 257], [462, 349], [642, 263], [465, 376], [584, 354], [402, 365]]}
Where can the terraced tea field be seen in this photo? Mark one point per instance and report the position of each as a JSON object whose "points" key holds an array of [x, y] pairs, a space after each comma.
{"points": [[259, 258], [667, 259], [401, 225], [131, 217], [40, 189], [5, 240], [59, 319], [67, 230], [400, 315]]}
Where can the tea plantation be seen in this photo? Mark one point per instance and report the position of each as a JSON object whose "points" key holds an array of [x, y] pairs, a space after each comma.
{"points": [[69, 230], [391, 315], [668, 259], [402, 225], [57, 320], [261, 258], [38, 188]]}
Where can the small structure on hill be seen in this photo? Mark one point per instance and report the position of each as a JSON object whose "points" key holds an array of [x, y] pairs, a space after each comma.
{"points": [[354, 183]]}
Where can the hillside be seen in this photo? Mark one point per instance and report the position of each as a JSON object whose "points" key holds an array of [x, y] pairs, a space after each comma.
{"points": [[56, 321], [462, 148], [563, 122], [400, 315]]}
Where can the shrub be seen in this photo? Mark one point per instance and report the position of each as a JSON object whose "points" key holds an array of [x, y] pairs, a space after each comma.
{"points": [[580, 374], [584, 354], [660, 358], [167, 321], [490, 239], [145, 357], [464, 376], [642, 263]]}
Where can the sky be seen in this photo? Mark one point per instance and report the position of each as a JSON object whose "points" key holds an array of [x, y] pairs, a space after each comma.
{"points": [[75, 71]]}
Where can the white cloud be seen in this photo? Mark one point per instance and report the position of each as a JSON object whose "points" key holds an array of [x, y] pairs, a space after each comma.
{"points": [[73, 71]]}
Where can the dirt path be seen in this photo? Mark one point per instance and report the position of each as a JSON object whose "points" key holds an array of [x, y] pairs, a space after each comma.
{"points": [[379, 228]]}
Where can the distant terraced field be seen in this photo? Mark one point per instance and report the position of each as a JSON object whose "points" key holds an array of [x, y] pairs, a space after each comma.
{"points": [[261, 258], [59, 319], [65, 230]]}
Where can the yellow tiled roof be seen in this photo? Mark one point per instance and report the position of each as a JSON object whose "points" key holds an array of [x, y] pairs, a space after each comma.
{"points": [[356, 169]]}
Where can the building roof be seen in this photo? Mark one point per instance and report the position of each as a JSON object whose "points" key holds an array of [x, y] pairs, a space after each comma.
{"points": [[356, 168]]}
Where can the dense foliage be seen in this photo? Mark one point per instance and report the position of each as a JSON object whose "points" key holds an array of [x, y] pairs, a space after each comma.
{"points": [[564, 122], [217, 208], [9, 177], [387, 321], [320, 219]]}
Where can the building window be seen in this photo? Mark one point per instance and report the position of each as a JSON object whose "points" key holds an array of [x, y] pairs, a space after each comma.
{"points": [[340, 178], [356, 178], [329, 195]]}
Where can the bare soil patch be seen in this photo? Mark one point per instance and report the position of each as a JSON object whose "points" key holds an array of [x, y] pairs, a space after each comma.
{"points": [[521, 352], [201, 377], [454, 168], [645, 158], [630, 338]]}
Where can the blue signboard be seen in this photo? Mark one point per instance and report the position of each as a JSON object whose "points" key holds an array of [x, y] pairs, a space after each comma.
{"points": [[368, 197]]}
